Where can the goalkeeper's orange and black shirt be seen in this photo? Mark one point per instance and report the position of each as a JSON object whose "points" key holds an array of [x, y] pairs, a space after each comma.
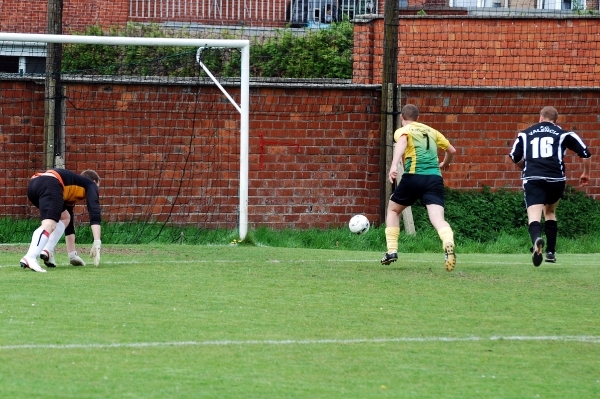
{"points": [[77, 188]]}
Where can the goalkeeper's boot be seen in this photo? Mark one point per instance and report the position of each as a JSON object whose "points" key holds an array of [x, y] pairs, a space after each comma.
{"points": [[450, 256], [48, 258], [31, 264], [389, 258], [538, 247], [75, 260], [550, 257]]}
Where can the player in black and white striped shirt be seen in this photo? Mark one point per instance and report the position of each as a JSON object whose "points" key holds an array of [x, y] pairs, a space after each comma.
{"points": [[539, 151]]}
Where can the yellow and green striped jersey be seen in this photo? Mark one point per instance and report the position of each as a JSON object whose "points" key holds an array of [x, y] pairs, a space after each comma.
{"points": [[420, 156]]}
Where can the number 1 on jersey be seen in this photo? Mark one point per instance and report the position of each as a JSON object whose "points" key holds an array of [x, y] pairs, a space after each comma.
{"points": [[427, 139]]}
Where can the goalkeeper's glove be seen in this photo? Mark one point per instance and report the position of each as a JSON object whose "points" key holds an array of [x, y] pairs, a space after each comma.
{"points": [[95, 252]]}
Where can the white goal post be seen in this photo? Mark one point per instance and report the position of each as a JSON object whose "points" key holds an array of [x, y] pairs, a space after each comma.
{"points": [[242, 108]]}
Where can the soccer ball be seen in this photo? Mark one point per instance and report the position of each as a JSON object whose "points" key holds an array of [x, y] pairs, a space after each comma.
{"points": [[359, 224]]}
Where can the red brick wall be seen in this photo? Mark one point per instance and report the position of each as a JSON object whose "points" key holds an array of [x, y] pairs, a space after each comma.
{"points": [[78, 14], [314, 153], [321, 158], [475, 51], [482, 125], [23, 16], [31, 16]]}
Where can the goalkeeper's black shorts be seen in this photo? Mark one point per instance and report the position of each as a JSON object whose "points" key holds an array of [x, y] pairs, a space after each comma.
{"points": [[46, 193], [427, 188]]}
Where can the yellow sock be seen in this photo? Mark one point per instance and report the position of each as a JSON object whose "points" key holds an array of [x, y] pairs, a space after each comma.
{"points": [[446, 234], [391, 238]]}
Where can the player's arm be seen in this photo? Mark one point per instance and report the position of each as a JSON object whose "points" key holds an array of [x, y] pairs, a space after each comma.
{"points": [[449, 151], [576, 144], [448, 157], [96, 231], [399, 149], [521, 164], [516, 153], [93, 205], [584, 179]]}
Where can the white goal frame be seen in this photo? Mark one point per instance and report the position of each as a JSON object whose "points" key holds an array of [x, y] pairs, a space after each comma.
{"points": [[243, 108]]}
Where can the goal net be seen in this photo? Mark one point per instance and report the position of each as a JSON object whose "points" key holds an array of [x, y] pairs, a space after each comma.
{"points": [[168, 137]]}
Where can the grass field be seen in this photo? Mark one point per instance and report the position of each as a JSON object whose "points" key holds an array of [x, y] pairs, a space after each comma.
{"points": [[182, 321]]}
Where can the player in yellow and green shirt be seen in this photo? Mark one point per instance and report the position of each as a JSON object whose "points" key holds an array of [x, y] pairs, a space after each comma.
{"points": [[417, 147]]}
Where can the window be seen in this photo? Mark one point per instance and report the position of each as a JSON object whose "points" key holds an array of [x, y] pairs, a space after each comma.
{"points": [[22, 58], [9, 64], [561, 4]]}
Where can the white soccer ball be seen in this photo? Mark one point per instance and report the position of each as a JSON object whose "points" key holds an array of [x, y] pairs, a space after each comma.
{"points": [[359, 224]]}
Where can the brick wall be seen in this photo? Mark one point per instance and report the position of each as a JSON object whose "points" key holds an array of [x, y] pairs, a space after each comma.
{"points": [[482, 125], [31, 16], [314, 153], [484, 52], [78, 14], [23, 16], [320, 158]]}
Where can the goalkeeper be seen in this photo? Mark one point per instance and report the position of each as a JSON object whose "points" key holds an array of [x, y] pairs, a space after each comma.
{"points": [[52, 192], [417, 144]]}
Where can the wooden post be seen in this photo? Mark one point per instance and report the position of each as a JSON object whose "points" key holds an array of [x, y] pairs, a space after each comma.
{"points": [[388, 98], [389, 138], [53, 89]]}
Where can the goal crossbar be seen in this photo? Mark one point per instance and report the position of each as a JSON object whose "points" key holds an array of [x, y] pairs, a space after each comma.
{"points": [[244, 108]]}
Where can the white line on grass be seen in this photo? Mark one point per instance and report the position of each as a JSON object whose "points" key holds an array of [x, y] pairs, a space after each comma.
{"points": [[275, 261], [566, 338]]}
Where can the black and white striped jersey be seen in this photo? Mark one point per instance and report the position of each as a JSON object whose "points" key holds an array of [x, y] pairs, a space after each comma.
{"points": [[542, 147]]}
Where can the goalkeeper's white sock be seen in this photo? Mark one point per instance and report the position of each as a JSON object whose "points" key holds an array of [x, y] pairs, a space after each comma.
{"points": [[54, 237], [39, 239]]}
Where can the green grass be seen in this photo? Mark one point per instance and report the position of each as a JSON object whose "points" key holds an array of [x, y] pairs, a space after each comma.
{"points": [[182, 321], [426, 240]]}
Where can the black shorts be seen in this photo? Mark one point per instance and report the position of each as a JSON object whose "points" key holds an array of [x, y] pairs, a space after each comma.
{"points": [[46, 193], [428, 188], [543, 192]]}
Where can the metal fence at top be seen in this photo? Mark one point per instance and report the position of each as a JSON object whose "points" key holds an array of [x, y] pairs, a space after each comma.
{"points": [[297, 13], [311, 13]]}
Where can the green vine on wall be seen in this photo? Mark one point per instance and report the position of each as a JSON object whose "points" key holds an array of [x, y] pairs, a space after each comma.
{"points": [[320, 53]]}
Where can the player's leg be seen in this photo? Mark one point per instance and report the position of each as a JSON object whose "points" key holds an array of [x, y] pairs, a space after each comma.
{"points": [[535, 198], [392, 231], [433, 198], [551, 230], [47, 254], [74, 258], [534, 216], [438, 221], [46, 193], [38, 241], [554, 193], [402, 197]]}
